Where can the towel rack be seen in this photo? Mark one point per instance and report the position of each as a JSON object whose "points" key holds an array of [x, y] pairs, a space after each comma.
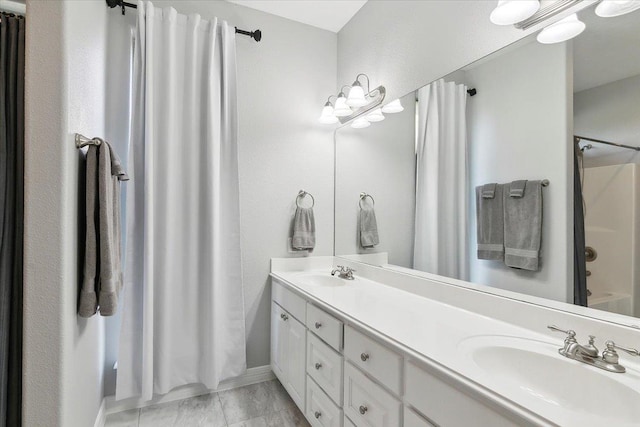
{"points": [[364, 196], [301, 195], [544, 182], [83, 141]]}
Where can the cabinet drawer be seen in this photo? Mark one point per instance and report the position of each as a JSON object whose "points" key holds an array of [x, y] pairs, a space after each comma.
{"points": [[324, 365], [321, 411], [348, 423], [325, 326], [379, 361], [291, 302], [433, 396], [411, 419], [366, 403]]}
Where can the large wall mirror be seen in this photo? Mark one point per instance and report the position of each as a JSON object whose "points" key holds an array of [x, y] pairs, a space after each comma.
{"points": [[542, 124]]}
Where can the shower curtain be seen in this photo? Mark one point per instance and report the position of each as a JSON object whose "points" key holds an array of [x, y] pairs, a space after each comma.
{"points": [[440, 242], [183, 319], [12, 30]]}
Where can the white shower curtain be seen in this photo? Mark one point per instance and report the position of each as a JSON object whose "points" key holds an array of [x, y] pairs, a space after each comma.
{"points": [[441, 244], [183, 319]]}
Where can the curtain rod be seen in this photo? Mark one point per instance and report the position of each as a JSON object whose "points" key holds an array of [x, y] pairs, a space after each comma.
{"points": [[256, 35], [580, 138]]}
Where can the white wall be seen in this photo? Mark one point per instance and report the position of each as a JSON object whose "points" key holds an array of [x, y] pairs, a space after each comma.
{"points": [[610, 112], [65, 93], [407, 44], [379, 160], [519, 128], [283, 82]]}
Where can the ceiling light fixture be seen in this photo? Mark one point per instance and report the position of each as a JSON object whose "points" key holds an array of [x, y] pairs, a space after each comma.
{"points": [[561, 31], [509, 12], [611, 8], [393, 107]]}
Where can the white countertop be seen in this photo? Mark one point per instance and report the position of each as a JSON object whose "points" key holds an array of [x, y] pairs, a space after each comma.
{"points": [[440, 333]]}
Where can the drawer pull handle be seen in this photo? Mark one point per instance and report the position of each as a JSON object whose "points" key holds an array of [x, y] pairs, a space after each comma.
{"points": [[318, 365], [318, 325], [363, 409], [364, 357], [317, 414]]}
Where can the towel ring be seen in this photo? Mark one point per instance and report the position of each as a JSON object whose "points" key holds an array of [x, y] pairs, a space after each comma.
{"points": [[301, 195], [364, 196]]}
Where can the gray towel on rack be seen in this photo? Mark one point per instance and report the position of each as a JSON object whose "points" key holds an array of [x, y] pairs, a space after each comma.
{"points": [[368, 228], [304, 230], [490, 224], [523, 226], [516, 189], [102, 277]]}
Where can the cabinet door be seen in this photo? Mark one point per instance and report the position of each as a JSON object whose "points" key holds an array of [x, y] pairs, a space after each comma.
{"points": [[296, 361], [279, 336]]}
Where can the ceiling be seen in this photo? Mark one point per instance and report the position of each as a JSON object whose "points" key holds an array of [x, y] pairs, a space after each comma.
{"points": [[606, 51], [329, 15]]}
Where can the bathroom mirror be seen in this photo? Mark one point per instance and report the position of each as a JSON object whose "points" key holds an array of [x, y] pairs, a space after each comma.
{"points": [[421, 168]]}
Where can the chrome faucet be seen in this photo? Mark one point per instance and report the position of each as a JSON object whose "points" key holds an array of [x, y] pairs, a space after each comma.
{"points": [[589, 353], [345, 272]]}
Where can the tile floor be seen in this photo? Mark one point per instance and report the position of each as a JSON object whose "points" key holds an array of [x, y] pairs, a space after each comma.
{"points": [[264, 404]]}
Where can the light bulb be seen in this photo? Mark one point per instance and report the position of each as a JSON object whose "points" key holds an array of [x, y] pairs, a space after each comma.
{"points": [[360, 123], [562, 30], [611, 8], [393, 107], [375, 116], [342, 109], [509, 12], [356, 96], [327, 117]]}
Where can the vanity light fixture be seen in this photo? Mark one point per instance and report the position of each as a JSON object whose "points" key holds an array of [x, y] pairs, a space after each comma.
{"points": [[360, 123], [509, 12], [393, 107], [375, 116], [328, 117], [611, 8], [356, 93], [561, 31]]}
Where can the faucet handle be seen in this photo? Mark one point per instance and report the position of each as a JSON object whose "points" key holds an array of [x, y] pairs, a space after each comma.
{"points": [[571, 334], [611, 347]]}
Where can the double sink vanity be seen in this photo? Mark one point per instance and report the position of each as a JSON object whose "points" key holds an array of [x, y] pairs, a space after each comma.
{"points": [[382, 348]]}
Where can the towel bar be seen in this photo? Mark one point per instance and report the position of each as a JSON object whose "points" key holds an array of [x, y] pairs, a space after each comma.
{"points": [[83, 141]]}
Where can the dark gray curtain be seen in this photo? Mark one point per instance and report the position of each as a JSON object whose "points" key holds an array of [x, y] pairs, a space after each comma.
{"points": [[579, 245], [11, 216]]}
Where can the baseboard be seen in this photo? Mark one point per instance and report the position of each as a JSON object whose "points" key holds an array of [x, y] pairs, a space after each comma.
{"points": [[102, 414], [252, 376]]}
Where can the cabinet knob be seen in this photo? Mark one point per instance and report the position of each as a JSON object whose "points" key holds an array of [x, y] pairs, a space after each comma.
{"points": [[364, 357], [284, 317], [317, 414], [363, 409], [318, 365], [318, 325]]}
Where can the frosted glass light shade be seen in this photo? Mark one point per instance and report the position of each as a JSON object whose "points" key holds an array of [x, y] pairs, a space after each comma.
{"points": [[342, 109], [509, 12], [356, 96], [360, 123], [327, 117], [393, 107], [375, 116], [561, 31], [611, 8]]}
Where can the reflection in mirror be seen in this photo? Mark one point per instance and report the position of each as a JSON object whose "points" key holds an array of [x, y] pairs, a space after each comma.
{"points": [[423, 165]]}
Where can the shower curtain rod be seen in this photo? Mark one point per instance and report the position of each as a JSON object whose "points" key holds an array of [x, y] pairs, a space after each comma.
{"points": [[580, 138], [256, 35]]}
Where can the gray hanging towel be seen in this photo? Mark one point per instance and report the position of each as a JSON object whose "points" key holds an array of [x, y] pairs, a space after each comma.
{"points": [[368, 228], [102, 278], [523, 225], [490, 222], [304, 230]]}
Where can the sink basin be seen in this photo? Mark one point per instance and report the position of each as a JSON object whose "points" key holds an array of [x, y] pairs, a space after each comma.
{"points": [[321, 279], [535, 371]]}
